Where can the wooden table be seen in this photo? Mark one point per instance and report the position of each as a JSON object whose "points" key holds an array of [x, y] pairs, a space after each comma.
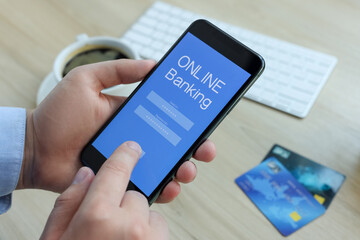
{"points": [[213, 207]]}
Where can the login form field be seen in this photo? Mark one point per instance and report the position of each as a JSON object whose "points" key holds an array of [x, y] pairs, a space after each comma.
{"points": [[172, 108]]}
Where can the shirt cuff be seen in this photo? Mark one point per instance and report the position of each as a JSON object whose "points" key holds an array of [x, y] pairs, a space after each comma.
{"points": [[12, 140]]}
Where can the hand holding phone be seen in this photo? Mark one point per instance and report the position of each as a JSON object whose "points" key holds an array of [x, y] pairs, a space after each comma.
{"points": [[74, 111], [177, 106]]}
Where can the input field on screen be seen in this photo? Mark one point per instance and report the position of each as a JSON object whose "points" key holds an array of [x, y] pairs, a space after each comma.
{"points": [[170, 110], [156, 124]]}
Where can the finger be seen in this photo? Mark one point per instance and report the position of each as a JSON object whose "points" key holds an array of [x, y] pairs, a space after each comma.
{"points": [[67, 204], [186, 172], [135, 202], [158, 226], [110, 73], [206, 152], [113, 177], [170, 192]]}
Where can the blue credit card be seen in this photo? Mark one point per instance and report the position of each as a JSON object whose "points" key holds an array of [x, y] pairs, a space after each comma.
{"points": [[282, 199], [322, 182]]}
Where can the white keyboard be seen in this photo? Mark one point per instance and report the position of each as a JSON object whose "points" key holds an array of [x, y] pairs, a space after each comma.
{"points": [[293, 75]]}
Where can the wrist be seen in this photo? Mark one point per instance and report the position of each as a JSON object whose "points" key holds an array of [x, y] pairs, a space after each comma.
{"points": [[26, 177]]}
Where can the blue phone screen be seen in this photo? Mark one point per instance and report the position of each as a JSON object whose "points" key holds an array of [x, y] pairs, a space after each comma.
{"points": [[172, 108]]}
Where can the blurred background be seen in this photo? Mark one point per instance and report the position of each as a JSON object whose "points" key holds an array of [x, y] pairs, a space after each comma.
{"points": [[33, 32]]}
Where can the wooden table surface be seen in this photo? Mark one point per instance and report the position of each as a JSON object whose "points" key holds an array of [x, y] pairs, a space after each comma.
{"points": [[212, 207]]}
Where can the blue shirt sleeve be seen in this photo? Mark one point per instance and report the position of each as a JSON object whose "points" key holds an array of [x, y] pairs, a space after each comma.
{"points": [[12, 140]]}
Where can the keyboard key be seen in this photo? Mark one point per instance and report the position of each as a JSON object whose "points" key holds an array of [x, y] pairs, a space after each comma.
{"points": [[147, 52], [143, 31]]}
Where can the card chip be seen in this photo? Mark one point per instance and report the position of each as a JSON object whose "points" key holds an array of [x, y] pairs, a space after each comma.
{"points": [[320, 199], [295, 216]]}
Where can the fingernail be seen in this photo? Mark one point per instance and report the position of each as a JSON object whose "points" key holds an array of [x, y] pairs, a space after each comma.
{"points": [[134, 146], [80, 175]]}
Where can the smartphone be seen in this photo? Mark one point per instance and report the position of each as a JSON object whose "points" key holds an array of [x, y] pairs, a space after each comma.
{"points": [[177, 105]]}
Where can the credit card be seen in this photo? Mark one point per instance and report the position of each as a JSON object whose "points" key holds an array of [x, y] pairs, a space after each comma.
{"points": [[278, 195], [322, 182]]}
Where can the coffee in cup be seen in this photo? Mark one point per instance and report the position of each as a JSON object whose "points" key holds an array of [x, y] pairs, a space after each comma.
{"points": [[93, 54]]}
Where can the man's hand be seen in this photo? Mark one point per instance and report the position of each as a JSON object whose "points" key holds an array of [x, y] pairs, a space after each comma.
{"points": [[100, 207], [59, 128]]}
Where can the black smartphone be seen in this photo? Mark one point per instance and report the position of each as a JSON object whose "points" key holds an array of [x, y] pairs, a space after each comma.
{"points": [[177, 105]]}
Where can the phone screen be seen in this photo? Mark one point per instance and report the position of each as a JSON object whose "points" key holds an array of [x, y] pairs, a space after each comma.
{"points": [[173, 108]]}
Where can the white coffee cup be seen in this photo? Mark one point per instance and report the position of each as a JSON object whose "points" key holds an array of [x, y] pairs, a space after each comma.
{"points": [[85, 43]]}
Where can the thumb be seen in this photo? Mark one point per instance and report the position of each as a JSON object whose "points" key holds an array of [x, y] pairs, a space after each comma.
{"points": [[67, 204], [110, 73]]}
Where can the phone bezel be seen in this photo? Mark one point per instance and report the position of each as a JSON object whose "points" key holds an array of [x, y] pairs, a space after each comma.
{"points": [[226, 45]]}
